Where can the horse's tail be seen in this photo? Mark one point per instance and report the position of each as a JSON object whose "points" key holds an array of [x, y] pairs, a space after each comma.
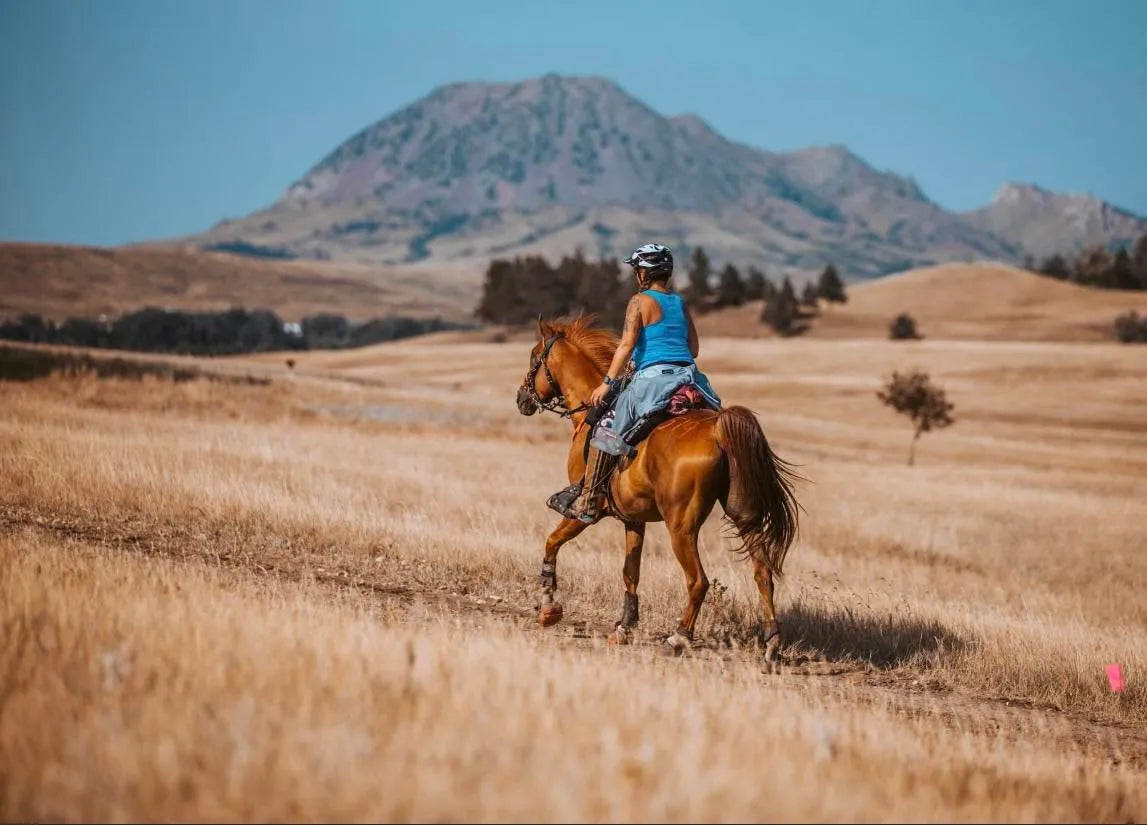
{"points": [[760, 504]]}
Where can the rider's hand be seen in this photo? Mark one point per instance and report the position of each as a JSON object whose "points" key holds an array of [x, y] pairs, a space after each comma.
{"points": [[598, 394]]}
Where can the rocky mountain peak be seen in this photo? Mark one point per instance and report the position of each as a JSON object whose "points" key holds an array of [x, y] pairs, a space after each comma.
{"points": [[475, 170]]}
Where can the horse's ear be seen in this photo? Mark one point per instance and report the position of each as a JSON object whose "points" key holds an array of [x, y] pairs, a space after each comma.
{"points": [[545, 329]]}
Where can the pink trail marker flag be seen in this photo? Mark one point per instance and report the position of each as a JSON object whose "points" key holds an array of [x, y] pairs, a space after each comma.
{"points": [[1115, 677]]}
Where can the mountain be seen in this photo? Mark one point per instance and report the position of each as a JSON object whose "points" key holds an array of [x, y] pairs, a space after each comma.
{"points": [[1044, 223], [481, 170]]}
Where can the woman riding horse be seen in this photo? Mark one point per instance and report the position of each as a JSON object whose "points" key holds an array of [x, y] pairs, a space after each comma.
{"points": [[661, 338], [678, 472]]}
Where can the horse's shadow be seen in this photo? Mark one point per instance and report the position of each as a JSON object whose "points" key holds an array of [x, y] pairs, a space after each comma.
{"points": [[882, 640]]}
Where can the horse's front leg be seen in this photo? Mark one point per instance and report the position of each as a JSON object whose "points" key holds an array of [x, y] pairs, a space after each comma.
{"points": [[549, 611], [631, 573]]}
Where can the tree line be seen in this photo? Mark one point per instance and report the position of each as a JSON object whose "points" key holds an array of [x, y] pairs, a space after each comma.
{"points": [[231, 332], [516, 291], [1099, 267]]}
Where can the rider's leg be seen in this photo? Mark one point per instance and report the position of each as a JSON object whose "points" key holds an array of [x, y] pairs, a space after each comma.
{"points": [[589, 504]]}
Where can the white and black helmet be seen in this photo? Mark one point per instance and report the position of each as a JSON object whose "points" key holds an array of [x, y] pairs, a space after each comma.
{"points": [[653, 258]]}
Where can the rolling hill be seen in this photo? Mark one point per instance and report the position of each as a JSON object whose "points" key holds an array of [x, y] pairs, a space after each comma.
{"points": [[988, 301], [59, 281]]}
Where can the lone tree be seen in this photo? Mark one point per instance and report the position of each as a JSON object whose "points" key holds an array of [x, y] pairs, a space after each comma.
{"points": [[915, 396], [830, 287], [903, 327]]}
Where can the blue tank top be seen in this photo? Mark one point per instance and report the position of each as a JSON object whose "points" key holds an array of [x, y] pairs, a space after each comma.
{"points": [[668, 339]]}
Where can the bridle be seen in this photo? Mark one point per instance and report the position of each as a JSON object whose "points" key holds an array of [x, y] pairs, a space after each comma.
{"points": [[557, 404]]}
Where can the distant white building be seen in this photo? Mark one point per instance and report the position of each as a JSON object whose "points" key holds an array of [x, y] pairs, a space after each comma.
{"points": [[292, 328]]}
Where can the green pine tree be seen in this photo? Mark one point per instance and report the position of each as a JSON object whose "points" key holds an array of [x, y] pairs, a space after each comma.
{"points": [[730, 289], [780, 312], [830, 287], [699, 290], [755, 284]]}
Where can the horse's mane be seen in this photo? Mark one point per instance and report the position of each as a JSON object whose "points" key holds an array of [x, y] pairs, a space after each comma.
{"points": [[598, 345]]}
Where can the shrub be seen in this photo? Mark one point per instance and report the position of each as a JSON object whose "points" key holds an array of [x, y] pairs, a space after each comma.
{"points": [[903, 327], [1131, 329]]}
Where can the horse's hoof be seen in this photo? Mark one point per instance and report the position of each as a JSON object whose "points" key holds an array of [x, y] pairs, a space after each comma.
{"points": [[674, 645], [620, 636], [772, 652], [770, 666], [769, 643], [549, 614]]}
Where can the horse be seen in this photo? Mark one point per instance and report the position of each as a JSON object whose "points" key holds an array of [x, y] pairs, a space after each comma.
{"points": [[678, 472]]}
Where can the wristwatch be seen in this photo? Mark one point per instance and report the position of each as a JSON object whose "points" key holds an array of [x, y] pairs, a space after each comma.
{"points": [[608, 381]]}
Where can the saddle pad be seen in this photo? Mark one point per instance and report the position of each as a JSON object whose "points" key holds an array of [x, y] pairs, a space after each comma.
{"points": [[686, 398]]}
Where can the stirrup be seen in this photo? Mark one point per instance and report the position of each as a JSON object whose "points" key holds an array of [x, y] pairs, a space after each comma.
{"points": [[563, 501]]}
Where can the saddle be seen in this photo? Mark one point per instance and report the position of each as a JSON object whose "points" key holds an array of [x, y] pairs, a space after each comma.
{"points": [[686, 398]]}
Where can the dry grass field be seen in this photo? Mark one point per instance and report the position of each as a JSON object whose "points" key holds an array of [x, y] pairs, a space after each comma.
{"points": [[313, 598]]}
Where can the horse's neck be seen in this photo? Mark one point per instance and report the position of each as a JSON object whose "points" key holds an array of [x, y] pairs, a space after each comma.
{"points": [[579, 378]]}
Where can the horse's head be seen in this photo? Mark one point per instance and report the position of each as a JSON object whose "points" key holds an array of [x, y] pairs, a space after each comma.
{"points": [[539, 388]]}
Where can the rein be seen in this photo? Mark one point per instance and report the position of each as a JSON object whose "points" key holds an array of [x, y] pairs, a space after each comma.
{"points": [[557, 404]]}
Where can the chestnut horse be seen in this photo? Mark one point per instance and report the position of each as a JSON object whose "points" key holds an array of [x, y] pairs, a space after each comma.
{"points": [[686, 465]]}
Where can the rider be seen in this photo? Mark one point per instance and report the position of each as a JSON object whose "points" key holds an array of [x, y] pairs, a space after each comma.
{"points": [[660, 336]]}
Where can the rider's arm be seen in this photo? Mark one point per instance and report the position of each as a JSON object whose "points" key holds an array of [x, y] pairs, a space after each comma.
{"points": [[629, 333], [694, 344]]}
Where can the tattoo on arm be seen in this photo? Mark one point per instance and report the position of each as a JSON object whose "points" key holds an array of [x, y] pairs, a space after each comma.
{"points": [[628, 337], [632, 318]]}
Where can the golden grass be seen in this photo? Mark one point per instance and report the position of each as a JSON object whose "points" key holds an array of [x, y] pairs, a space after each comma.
{"points": [[163, 690], [266, 557]]}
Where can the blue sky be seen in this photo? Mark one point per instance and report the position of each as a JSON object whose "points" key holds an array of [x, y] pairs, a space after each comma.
{"points": [[124, 120]]}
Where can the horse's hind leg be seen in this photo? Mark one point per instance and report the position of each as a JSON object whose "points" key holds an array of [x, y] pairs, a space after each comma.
{"points": [[550, 612], [631, 573], [684, 542], [770, 632]]}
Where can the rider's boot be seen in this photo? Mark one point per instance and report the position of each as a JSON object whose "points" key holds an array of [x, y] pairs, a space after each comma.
{"points": [[582, 501], [590, 503]]}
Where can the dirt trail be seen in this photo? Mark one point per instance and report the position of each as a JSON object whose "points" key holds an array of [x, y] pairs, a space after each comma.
{"points": [[902, 693]]}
